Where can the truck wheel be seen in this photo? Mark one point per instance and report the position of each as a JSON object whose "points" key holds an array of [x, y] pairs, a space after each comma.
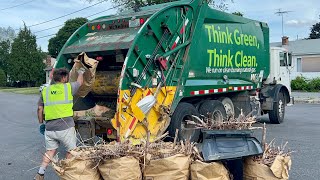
{"points": [[276, 115], [214, 110], [228, 105], [182, 113]]}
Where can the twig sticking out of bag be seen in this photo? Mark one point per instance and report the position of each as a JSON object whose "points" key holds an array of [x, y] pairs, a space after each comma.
{"points": [[270, 153]]}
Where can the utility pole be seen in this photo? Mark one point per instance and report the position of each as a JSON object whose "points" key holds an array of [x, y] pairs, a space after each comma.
{"points": [[280, 13]]}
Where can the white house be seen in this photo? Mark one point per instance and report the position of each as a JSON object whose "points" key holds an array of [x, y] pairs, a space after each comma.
{"points": [[305, 56]]}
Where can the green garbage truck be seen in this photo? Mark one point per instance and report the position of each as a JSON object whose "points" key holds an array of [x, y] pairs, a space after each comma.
{"points": [[160, 65]]}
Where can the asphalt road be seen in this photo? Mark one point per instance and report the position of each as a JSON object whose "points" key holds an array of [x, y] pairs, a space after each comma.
{"points": [[21, 145]]}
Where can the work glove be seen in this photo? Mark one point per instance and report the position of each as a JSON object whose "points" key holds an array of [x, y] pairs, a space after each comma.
{"points": [[42, 128], [81, 70]]}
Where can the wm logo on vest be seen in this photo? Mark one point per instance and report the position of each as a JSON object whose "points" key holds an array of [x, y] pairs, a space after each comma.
{"points": [[56, 92]]}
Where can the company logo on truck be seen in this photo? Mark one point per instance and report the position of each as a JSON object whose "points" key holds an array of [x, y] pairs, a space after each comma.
{"points": [[224, 60]]}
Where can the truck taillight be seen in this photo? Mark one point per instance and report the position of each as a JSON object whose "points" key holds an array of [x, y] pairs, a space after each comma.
{"points": [[99, 58], [98, 26], [141, 21], [109, 131]]}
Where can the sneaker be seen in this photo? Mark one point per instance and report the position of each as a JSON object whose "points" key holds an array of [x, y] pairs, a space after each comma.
{"points": [[39, 177]]}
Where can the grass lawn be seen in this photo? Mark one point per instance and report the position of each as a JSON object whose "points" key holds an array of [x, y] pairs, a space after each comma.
{"points": [[31, 90]]}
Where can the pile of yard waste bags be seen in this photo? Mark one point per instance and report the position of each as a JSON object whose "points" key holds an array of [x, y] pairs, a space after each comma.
{"points": [[163, 161], [177, 160], [150, 161]]}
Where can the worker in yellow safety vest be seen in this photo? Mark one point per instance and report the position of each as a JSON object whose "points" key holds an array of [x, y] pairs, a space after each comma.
{"points": [[55, 109]]}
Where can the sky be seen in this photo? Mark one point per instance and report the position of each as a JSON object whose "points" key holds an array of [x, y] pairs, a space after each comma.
{"points": [[296, 23]]}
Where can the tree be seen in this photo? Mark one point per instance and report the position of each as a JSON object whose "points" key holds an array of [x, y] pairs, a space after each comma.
{"points": [[238, 13], [315, 31], [57, 42], [26, 60], [7, 34], [5, 47], [3, 78]]}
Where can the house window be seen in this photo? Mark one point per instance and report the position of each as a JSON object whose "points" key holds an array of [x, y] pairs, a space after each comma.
{"points": [[310, 64], [299, 69]]}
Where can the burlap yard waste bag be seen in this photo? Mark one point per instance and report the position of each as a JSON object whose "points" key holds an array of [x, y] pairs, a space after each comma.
{"points": [[208, 171], [125, 168], [281, 166], [90, 65], [255, 171], [76, 169], [171, 168]]}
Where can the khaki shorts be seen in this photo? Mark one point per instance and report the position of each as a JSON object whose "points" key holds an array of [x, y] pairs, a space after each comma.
{"points": [[67, 137]]}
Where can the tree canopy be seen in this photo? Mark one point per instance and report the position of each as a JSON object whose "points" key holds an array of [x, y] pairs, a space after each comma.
{"points": [[26, 60], [3, 78], [315, 31], [5, 47], [57, 42]]}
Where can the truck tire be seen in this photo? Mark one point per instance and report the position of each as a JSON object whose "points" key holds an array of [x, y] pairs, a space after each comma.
{"points": [[276, 115], [214, 110], [183, 112], [228, 105]]}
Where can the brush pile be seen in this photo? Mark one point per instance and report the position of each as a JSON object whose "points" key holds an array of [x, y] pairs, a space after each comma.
{"points": [[231, 123]]}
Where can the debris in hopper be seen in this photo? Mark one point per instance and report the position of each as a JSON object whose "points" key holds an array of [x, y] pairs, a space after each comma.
{"points": [[232, 123]]}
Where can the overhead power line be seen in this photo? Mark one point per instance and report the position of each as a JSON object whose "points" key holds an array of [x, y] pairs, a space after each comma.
{"points": [[48, 28], [17, 5], [65, 14], [45, 36], [86, 17]]}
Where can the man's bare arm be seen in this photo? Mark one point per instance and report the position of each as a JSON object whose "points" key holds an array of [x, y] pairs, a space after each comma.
{"points": [[40, 114]]}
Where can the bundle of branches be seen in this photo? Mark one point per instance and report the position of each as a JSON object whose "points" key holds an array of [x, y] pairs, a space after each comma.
{"points": [[159, 150], [270, 153], [231, 123], [112, 150]]}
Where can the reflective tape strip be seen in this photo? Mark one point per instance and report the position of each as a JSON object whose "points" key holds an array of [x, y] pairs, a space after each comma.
{"points": [[47, 94], [66, 94], [130, 127], [58, 102], [220, 90], [209, 91], [175, 43], [184, 26]]}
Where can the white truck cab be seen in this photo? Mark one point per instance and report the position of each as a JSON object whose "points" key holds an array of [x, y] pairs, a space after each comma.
{"points": [[280, 67], [275, 92]]}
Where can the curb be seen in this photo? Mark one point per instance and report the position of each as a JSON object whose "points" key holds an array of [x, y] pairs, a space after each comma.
{"points": [[307, 101]]}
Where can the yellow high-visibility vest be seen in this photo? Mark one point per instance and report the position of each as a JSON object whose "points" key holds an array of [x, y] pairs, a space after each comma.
{"points": [[58, 101]]}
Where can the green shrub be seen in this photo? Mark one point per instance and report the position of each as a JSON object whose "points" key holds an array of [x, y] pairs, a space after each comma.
{"points": [[314, 85], [3, 79], [300, 83]]}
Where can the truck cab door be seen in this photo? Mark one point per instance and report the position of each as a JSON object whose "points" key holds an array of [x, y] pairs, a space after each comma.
{"points": [[285, 69]]}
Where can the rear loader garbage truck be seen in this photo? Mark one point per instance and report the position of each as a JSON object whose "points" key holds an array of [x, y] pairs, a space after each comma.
{"points": [[160, 65]]}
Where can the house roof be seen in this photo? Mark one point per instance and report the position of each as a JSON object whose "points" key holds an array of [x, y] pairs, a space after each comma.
{"points": [[301, 47]]}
